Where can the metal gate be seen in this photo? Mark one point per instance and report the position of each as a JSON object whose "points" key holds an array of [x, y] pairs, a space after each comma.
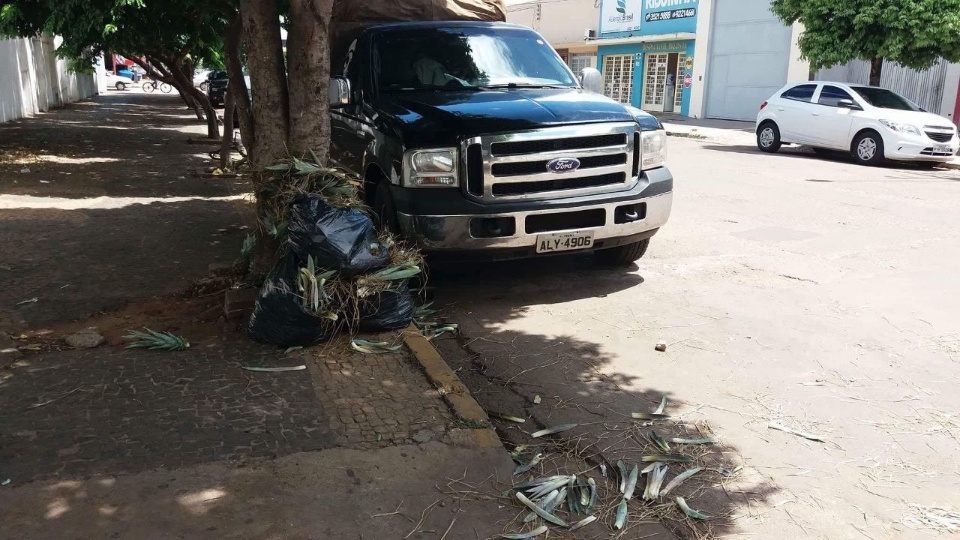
{"points": [[749, 58]]}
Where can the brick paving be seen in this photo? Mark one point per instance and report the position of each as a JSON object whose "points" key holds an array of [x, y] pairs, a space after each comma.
{"points": [[110, 410], [375, 400]]}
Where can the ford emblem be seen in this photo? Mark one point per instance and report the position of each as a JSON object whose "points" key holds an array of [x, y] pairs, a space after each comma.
{"points": [[563, 165]]}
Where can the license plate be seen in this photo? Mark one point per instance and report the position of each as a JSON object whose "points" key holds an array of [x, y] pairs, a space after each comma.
{"points": [[568, 241], [942, 149]]}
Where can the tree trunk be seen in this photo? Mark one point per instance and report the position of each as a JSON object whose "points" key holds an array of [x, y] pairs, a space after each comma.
{"points": [[187, 87], [238, 85], [226, 146], [268, 78], [308, 53], [876, 69]]}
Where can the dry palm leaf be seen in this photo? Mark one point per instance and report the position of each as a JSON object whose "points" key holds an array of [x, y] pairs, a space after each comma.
{"points": [[690, 511], [546, 516], [654, 481], [649, 416], [621, 515], [679, 480], [673, 458], [523, 536], [553, 431], [164, 341]]}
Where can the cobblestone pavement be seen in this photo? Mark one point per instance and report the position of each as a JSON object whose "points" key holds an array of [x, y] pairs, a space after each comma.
{"points": [[110, 410], [378, 399]]}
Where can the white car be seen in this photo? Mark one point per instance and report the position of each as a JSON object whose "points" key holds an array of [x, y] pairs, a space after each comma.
{"points": [[871, 123], [119, 82]]}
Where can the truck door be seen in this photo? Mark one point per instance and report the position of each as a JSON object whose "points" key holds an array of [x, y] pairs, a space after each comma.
{"points": [[348, 131]]}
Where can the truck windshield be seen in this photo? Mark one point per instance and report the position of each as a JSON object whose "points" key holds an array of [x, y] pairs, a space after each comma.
{"points": [[884, 99], [473, 58]]}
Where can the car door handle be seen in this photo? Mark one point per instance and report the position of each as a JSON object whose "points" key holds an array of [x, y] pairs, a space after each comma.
{"points": [[781, 109], [815, 114]]}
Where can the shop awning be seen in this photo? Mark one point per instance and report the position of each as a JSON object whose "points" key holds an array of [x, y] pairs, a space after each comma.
{"points": [[680, 36]]}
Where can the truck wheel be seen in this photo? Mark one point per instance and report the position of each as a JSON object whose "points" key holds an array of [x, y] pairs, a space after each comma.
{"points": [[622, 255], [385, 210]]}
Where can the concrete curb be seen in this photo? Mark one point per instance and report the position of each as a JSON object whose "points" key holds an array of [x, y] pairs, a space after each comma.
{"points": [[454, 392]]}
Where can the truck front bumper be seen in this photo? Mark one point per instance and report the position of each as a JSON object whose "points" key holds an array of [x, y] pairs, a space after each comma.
{"points": [[451, 234]]}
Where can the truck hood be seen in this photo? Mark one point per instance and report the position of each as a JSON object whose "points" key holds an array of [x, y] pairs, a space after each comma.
{"points": [[446, 118]]}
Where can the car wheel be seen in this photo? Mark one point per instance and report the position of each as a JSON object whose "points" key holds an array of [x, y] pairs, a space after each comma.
{"points": [[622, 255], [385, 210], [867, 148], [121, 86], [203, 86], [768, 137]]}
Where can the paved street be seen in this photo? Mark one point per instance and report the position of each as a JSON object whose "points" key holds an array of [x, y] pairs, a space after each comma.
{"points": [[814, 293]]}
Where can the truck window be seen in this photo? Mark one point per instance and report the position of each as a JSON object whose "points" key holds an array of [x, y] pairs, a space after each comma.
{"points": [[457, 58]]}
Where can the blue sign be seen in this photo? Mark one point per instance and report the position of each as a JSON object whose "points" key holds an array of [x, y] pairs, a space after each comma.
{"points": [[621, 18]]}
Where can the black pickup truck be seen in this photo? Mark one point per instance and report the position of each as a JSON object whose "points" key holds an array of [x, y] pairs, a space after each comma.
{"points": [[475, 139]]}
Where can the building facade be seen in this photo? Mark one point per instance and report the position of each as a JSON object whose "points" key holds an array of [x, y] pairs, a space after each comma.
{"points": [[698, 58], [569, 25]]}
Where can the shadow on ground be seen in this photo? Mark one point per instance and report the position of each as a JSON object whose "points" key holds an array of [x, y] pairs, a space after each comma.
{"points": [[511, 356]]}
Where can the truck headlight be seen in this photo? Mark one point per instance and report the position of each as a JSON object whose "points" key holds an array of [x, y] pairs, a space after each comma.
{"points": [[430, 168], [653, 146], [900, 127]]}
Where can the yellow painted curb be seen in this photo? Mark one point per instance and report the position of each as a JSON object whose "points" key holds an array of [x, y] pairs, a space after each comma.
{"points": [[454, 392]]}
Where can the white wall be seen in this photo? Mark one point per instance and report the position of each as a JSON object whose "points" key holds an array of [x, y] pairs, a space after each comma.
{"points": [[562, 22], [33, 79]]}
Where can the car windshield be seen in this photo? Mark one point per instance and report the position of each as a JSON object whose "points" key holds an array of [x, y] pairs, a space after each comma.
{"points": [[466, 58], [884, 99]]}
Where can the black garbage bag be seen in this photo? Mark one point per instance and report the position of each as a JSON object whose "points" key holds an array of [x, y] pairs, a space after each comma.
{"points": [[388, 310], [279, 317], [342, 239]]}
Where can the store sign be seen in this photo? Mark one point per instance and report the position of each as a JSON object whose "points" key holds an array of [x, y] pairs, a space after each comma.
{"points": [[670, 15], [648, 17], [620, 16]]}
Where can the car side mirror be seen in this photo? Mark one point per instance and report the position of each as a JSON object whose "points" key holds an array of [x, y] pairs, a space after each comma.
{"points": [[591, 80], [849, 104], [340, 95]]}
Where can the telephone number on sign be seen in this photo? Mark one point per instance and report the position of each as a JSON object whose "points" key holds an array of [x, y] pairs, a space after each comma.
{"points": [[672, 14]]}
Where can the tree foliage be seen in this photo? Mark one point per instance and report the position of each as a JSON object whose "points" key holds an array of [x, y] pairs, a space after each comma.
{"points": [[914, 33], [167, 38]]}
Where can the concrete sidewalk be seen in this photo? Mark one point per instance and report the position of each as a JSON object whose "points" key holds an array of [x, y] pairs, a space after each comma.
{"points": [[109, 442], [421, 491]]}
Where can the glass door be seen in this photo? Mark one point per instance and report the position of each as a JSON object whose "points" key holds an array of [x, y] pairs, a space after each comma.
{"points": [[655, 77], [618, 77]]}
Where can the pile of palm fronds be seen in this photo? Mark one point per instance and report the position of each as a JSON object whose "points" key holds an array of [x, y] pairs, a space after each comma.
{"points": [[294, 177], [323, 292]]}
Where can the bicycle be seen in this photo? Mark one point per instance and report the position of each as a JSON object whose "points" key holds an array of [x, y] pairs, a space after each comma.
{"points": [[150, 86]]}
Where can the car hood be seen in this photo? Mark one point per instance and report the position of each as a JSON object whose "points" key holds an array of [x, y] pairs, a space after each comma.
{"points": [[445, 118], [916, 118]]}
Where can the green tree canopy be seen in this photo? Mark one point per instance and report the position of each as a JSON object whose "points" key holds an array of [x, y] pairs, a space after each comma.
{"points": [[913, 33], [167, 38]]}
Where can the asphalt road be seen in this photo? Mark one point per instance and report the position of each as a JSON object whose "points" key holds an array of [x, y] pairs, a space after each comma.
{"points": [[814, 293]]}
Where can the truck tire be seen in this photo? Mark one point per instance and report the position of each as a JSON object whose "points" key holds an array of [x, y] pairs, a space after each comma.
{"points": [[385, 210], [624, 255]]}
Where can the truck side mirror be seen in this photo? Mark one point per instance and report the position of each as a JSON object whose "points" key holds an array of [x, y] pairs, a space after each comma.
{"points": [[339, 91], [591, 80]]}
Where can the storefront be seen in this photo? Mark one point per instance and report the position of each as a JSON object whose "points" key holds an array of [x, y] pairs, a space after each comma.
{"points": [[645, 51]]}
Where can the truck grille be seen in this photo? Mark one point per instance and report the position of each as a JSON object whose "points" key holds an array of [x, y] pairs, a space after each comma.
{"points": [[507, 167]]}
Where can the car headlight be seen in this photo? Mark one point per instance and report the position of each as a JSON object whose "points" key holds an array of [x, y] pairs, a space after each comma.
{"points": [[430, 168], [653, 147], [900, 127]]}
